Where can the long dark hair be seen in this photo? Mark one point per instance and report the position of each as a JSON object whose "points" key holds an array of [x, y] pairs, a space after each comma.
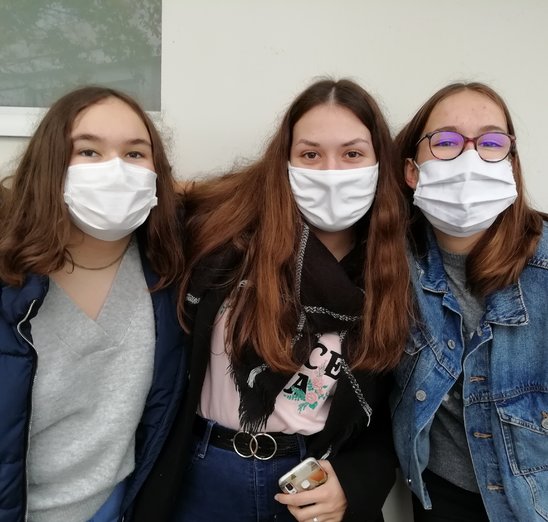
{"points": [[35, 220], [253, 210]]}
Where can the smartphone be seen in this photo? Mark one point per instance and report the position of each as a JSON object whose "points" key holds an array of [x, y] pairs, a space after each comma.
{"points": [[303, 477]]}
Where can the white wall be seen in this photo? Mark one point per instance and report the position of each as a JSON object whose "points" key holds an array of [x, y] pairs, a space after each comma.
{"points": [[231, 67], [10, 150]]}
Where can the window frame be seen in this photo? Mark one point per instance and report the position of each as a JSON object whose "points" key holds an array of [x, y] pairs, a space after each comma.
{"points": [[19, 122]]}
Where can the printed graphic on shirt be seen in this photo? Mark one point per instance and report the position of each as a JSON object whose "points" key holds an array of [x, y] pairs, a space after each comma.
{"points": [[311, 386], [301, 406]]}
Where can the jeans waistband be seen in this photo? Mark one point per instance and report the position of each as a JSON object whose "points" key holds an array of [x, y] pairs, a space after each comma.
{"points": [[262, 446]]}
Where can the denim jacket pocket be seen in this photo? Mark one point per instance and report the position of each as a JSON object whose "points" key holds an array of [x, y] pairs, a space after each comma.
{"points": [[524, 423], [415, 343], [417, 340]]}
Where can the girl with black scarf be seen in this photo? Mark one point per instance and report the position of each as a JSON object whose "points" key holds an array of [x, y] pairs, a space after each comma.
{"points": [[296, 304]]}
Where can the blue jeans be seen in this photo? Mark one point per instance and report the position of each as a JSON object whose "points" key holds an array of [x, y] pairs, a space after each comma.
{"points": [[221, 485]]}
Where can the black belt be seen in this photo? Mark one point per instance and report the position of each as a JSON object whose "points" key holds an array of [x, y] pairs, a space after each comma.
{"points": [[262, 446]]}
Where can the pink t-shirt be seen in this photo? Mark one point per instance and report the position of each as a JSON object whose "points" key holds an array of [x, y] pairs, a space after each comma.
{"points": [[301, 407]]}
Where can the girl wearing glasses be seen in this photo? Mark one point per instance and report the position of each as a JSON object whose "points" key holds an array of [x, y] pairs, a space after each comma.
{"points": [[296, 305], [471, 403]]}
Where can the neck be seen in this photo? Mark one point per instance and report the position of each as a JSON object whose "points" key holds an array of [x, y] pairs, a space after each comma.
{"points": [[91, 252], [457, 245], [338, 243]]}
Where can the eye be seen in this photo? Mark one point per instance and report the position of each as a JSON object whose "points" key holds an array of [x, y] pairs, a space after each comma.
{"points": [[354, 154], [493, 141], [489, 144], [310, 155], [446, 139], [134, 154], [87, 153]]}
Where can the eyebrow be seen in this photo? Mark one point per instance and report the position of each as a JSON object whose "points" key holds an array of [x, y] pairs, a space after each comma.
{"points": [[485, 128], [355, 141], [94, 137], [347, 144]]}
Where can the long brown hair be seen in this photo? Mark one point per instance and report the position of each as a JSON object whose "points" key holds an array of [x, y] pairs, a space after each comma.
{"points": [[500, 255], [35, 220], [252, 209]]}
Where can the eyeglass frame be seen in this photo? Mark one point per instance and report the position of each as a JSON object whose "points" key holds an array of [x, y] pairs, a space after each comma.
{"points": [[467, 140]]}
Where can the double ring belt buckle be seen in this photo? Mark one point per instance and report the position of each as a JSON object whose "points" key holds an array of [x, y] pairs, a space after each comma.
{"points": [[254, 445]]}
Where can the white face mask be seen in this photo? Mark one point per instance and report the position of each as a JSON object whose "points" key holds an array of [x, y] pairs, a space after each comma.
{"points": [[465, 195], [333, 200], [109, 200]]}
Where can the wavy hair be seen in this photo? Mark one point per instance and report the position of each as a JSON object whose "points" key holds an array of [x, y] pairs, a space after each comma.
{"points": [[35, 220], [500, 255], [252, 210]]}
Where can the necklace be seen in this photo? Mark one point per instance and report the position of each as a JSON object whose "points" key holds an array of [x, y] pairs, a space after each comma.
{"points": [[78, 265]]}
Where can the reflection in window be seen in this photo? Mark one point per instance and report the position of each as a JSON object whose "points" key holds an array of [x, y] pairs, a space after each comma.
{"points": [[50, 47]]}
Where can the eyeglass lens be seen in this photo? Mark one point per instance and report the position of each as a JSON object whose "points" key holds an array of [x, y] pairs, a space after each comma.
{"points": [[491, 146]]}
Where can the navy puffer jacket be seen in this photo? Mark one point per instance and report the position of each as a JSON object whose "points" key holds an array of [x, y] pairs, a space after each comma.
{"points": [[18, 362]]}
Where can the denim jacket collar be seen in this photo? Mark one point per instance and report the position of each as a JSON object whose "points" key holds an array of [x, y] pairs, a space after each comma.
{"points": [[505, 306], [430, 266]]}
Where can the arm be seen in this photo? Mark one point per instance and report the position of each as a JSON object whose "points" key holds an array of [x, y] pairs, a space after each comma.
{"points": [[362, 469], [366, 464], [327, 502], [366, 471], [360, 479]]}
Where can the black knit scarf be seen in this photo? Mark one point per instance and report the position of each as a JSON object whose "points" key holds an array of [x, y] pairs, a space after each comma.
{"points": [[330, 301]]}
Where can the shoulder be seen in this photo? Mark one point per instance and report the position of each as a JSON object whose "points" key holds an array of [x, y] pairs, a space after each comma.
{"points": [[17, 302], [540, 257]]}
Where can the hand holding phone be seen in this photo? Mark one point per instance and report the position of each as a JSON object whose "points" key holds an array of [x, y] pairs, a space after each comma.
{"points": [[303, 477]]}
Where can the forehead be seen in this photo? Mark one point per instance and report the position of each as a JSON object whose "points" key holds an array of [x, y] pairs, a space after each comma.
{"points": [[328, 119], [110, 117], [468, 111]]}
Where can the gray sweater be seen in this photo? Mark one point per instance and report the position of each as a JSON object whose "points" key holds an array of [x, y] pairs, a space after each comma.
{"points": [[89, 393], [449, 453]]}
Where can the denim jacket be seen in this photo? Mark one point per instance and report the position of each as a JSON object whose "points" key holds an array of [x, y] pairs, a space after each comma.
{"points": [[505, 388]]}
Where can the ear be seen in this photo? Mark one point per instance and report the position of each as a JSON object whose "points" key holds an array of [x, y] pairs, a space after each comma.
{"points": [[411, 173]]}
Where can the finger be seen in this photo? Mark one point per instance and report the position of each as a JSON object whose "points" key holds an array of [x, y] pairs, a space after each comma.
{"points": [[299, 499], [306, 514]]}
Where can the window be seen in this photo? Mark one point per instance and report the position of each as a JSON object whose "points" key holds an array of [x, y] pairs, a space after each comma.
{"points": [[50, 47]]}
